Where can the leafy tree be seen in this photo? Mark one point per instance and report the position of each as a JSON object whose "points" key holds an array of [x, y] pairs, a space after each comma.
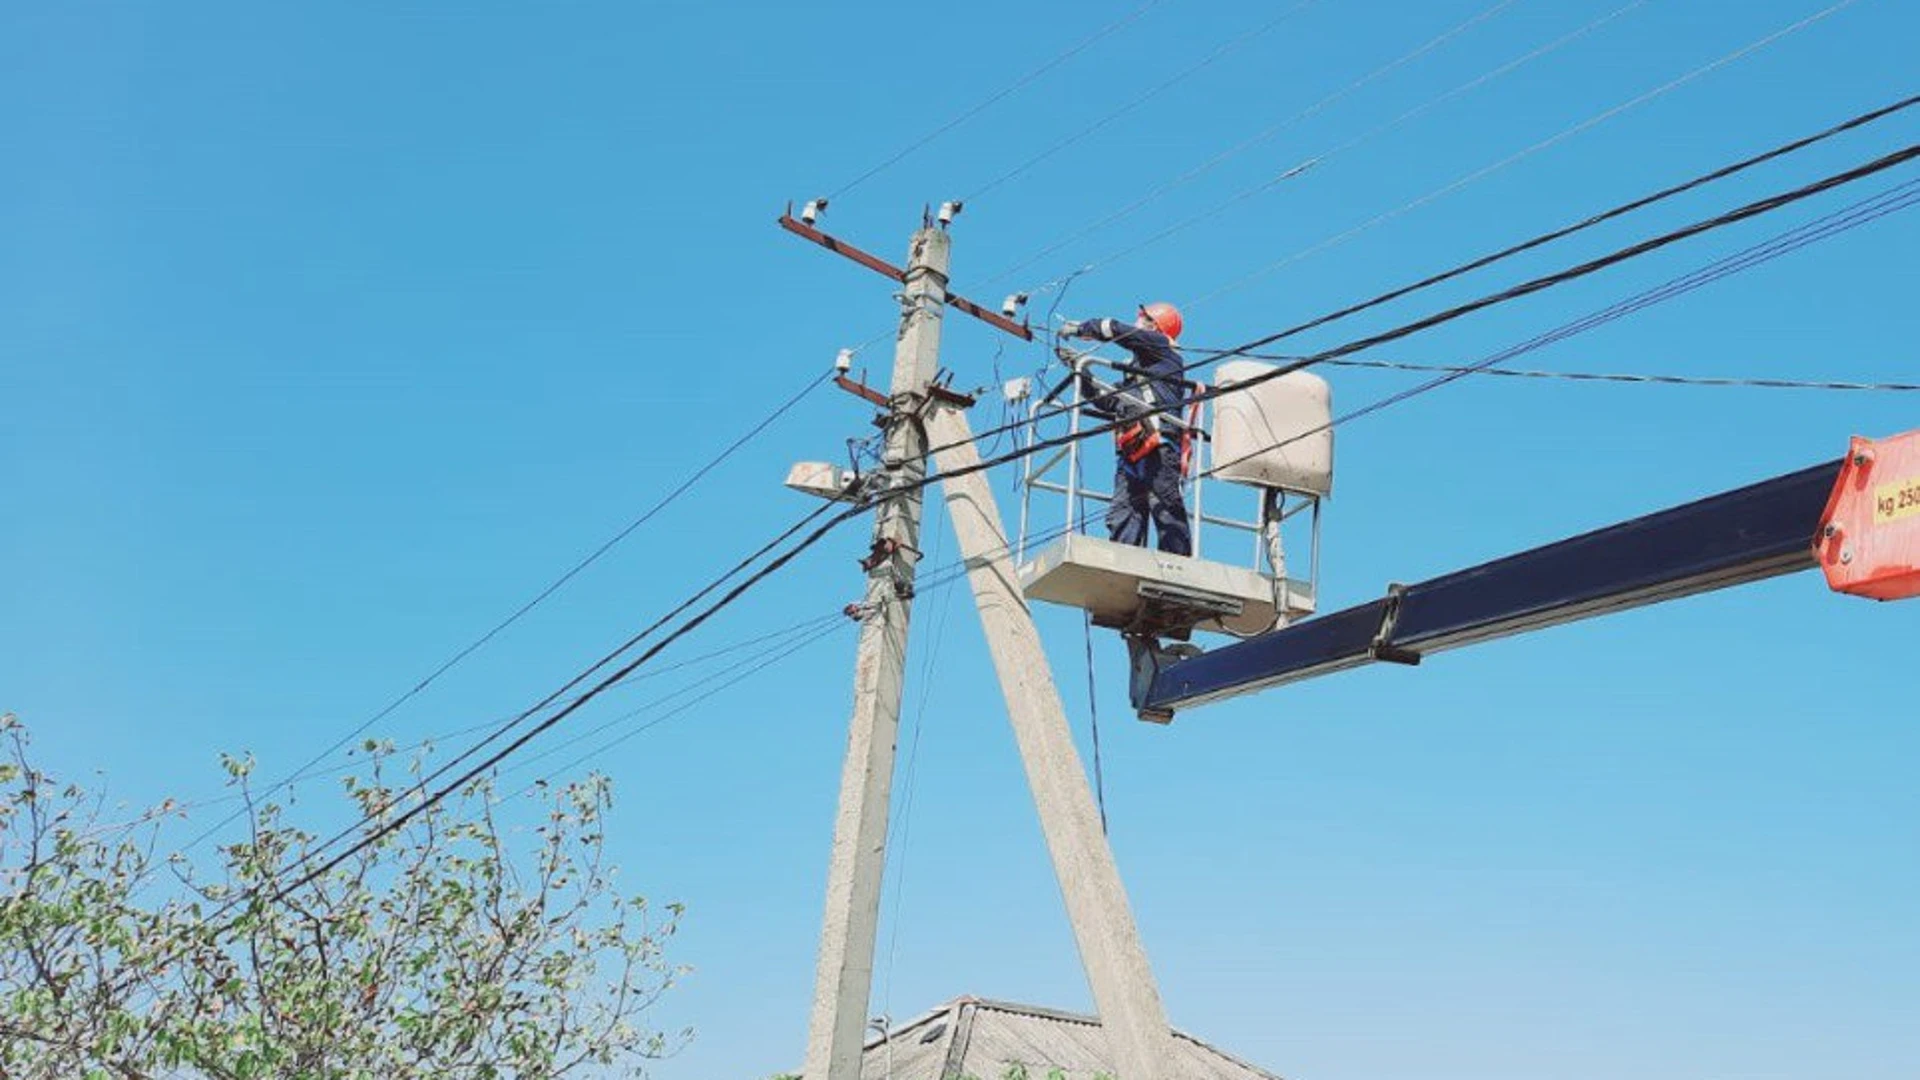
{"points": [[435, 952]]}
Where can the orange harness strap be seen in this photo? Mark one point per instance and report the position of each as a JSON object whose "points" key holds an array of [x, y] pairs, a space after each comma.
{"points": [[1193, 424]]}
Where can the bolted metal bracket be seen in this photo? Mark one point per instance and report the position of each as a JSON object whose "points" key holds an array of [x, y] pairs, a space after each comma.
{"points": [[1168, 610], [1383, 649], [884, 549], [1145, 659]]}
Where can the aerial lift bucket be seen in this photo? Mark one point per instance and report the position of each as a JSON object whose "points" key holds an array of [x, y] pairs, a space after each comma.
{"points": [[1273, 436]]}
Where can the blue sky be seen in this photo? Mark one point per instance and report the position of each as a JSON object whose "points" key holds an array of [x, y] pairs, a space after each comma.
{"points": [[329, 336]]}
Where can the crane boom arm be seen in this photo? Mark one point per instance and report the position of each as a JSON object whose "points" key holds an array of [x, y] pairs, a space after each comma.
{"points": [[1754, 532]]}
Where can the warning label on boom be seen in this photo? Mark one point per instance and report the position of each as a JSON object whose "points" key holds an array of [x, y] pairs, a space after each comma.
{"points": [[1897, 500]]}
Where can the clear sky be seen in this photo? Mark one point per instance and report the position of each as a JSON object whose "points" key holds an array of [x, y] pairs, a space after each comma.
{"points": [[328, 336]]}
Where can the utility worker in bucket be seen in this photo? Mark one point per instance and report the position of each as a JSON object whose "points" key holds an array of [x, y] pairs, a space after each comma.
{"points": [[1151, 439]]}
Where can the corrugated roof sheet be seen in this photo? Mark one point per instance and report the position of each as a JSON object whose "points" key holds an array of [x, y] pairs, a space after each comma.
{"points": [[977, 1039]]}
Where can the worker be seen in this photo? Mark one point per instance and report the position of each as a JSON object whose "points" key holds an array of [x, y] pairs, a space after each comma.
{"points": [[1148, 408]]}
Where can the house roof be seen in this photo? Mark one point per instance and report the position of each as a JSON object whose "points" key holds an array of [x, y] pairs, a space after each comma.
{"points": [[977, 1039]]}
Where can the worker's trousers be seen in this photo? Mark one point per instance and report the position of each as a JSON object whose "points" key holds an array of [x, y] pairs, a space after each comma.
{"points": [[1150, 489]]}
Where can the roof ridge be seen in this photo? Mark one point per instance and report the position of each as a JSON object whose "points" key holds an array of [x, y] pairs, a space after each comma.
{"points": [[945, 1008], [1041, 1011]]}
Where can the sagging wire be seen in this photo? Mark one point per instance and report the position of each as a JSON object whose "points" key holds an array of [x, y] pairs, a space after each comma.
{"points": [[1860, 213], [1246, 144], [726, 679], [1520, 155], [1543, 282], [1093, 717], [1218, 54], [528, 606], [912, 774], [1315, 161], [1208, 356], [996, 97]]}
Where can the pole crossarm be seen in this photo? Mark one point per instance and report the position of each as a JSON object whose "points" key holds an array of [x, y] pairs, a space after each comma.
{"points": [[1748, 534], [886, 269]]}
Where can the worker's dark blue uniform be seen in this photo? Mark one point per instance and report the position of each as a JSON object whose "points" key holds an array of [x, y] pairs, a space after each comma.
{"points": [[1147, 489]]}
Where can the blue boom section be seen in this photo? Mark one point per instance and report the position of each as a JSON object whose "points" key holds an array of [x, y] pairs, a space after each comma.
{"points": [[1738, 536]]}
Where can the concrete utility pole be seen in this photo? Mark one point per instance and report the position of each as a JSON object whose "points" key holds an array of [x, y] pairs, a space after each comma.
{"points": [[1124, 990], [845, 977], [1116, 965]]}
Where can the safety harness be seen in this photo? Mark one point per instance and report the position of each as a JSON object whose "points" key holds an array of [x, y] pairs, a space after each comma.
{"points": [[1135, 441]]}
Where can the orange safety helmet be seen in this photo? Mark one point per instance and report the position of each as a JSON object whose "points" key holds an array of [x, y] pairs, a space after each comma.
{"points": [[1163, 317]]}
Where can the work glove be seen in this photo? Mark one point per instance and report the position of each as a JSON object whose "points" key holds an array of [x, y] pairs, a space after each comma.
{"points": [[1070, 328]]}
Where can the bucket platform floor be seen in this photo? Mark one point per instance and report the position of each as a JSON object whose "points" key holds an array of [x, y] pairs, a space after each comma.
{"points": [[1116, 581]]}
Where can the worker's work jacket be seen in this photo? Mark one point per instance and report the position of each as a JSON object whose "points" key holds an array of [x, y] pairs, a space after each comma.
{"points": [[1158, 379]]}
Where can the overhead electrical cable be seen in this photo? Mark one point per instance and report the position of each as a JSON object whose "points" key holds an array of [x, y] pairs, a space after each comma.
{"points": [[1467, 87], [1526, 288], [1874, 207], [604, 684], [1728, 381], [753, 661], [270, 891], [1252, 141], [1315, 161], [1604, 216], [772, 566], [1208, 356], [1870, 209], [1219, 53], [429, 741], [717, 684], [1902, 197], [778, 562], [909, 785], [538, 598], [995, 98], [1520, 155], [1093, 722]]}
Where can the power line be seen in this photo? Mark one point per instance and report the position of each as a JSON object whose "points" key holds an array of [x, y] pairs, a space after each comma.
{"points": [[1211, 355], [1256, 139], [1308, 164], [554, 586], [1472, 84], [1526, 288], [577, 702], [909, 785], [774, 565], [1748, 382], [736, 674], [1898, 198], [1860, 213], [1604, 216], [994, 98], [504, 752], [261, 891], [804, 631], [1093, 721], [1520, 155], [1150, 93], [1878, 206], [1872, 208], [428, 741]]}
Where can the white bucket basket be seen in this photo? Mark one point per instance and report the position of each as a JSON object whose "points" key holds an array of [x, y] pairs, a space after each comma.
{"points": [[1273, 437]]}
